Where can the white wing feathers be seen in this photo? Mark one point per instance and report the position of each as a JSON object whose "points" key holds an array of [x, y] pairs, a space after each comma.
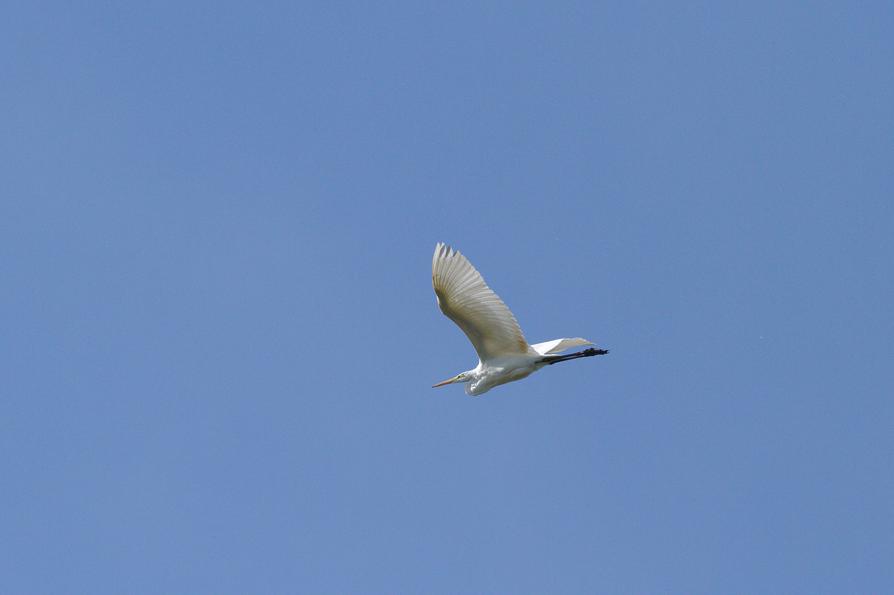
{"points": [[465, 298], [558, 345]]}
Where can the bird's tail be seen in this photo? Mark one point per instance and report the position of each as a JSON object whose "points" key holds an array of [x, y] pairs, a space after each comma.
{"points": [[559, 345]]}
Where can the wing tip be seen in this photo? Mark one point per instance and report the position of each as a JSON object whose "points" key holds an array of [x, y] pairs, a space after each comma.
{"points": [[443, 259], [444, 250]]}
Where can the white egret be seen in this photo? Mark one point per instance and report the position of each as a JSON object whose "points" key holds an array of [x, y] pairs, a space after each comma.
{"points": [[503, 353]]}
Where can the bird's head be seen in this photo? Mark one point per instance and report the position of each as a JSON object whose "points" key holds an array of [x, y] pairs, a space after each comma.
{"points": [[461, 377]]}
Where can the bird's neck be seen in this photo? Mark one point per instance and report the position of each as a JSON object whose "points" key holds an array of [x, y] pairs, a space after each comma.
{"points": [[473, 374]]}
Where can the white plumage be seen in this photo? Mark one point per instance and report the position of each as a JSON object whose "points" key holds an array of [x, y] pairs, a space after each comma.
{"points": [[503, 353]]}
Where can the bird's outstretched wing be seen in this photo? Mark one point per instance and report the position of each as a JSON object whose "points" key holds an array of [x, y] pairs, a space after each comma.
{"points": [[465, 298]]}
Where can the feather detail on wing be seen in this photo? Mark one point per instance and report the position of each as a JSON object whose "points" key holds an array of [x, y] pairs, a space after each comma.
{"points": [[465, 298]]}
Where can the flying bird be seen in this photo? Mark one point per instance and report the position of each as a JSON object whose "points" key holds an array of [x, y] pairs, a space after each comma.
{"points": [[503, 353]]}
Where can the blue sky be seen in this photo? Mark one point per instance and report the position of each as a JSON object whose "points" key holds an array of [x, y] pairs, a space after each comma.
{"points": [[216, 229]]}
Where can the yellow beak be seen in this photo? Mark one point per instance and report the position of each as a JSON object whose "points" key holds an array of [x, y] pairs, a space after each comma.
{"points": [[446, 382]]}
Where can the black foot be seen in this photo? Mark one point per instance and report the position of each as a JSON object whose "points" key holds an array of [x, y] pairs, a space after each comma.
{"points": [[594, 351], [554, 359]]}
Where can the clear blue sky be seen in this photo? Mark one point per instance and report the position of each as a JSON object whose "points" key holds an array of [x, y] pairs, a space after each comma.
{"points": [[219, 332]]}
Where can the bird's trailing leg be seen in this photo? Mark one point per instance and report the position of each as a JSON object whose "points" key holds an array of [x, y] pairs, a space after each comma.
{"points": [[554, 359]]}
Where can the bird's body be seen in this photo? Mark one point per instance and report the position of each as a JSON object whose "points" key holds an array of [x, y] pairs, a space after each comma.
{"points": [[503, 353]]}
